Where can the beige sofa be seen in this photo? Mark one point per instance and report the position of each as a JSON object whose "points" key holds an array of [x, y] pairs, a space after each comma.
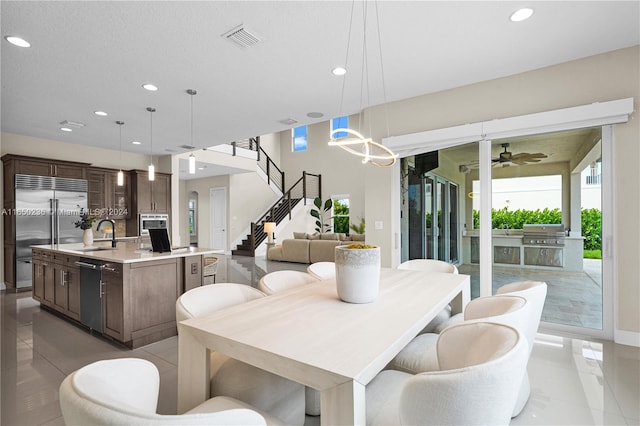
{"points": [[305, 248]]}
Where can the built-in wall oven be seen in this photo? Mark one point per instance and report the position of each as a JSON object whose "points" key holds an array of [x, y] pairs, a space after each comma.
{"points": [[152, 220]]}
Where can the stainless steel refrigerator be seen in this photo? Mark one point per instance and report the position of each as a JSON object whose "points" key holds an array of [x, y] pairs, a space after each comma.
{"points": [[46, 209]]}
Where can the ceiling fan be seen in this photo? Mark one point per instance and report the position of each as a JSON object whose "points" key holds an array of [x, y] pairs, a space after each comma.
{"points": [[506, 158]]}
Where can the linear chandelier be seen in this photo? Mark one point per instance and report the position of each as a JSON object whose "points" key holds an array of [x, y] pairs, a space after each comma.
{"points": [[371, 151]]}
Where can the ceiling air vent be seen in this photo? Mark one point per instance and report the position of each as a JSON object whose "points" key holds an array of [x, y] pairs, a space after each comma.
{"points": [[241, 36], [74, 124], [187, 147], [288, 121]]}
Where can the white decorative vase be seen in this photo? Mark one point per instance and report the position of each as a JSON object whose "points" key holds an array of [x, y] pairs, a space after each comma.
{"points": [[87, 237], [357, 273]]}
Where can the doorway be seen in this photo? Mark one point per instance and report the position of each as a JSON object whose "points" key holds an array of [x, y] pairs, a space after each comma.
{"points": [[193, 219], [433, 215], [218, 208]]}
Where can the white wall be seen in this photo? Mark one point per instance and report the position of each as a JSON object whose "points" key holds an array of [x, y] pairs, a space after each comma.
{"points": [[342, 173]]}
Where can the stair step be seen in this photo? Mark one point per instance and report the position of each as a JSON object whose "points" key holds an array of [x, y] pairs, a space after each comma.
{"points": [[242, 253]]}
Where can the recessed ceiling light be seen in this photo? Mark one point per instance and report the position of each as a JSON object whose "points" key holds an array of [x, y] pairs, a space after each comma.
{"points": [[339, 71], [200, 168], [150, 87], [521, 14], [66, 129], [315, 115], [136, 143], [100, 113], [17, 41]]}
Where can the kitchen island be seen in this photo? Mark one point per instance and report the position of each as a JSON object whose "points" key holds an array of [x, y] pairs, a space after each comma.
{"points": [[127, 293]]}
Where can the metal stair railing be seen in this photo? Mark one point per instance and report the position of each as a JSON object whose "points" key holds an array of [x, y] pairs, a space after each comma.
{"points": [[266, 164], [308, 186]]}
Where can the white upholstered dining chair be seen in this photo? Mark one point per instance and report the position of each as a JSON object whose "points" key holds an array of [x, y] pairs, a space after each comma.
{"points": [[481, 365], [432, 265], [268, 392], [429, 265], [322, 270], [420, 355], [276, 281], [124, 392], [536, 293]]}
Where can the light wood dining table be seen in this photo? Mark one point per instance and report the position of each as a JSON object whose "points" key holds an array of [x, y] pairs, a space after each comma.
{"points": [[307, 334]]}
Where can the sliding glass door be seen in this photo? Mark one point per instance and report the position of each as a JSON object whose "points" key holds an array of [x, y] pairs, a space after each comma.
{"points": [[553, 180], [432, 217]]}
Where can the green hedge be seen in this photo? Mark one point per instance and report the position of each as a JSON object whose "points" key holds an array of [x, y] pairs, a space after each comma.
{"points": [[507, 219]]}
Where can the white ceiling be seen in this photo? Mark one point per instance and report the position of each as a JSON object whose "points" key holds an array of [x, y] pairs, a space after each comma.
{"points": [[95, 55]]}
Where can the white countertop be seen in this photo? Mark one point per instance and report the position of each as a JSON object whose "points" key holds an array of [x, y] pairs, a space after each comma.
{"points": [[125, 252]]}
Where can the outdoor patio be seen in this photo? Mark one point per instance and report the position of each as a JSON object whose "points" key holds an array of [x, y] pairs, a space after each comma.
{"points": [[573, 298]]}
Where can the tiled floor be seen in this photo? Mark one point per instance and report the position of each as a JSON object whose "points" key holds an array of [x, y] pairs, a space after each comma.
{"points": [[573, 298], [573, 381]]}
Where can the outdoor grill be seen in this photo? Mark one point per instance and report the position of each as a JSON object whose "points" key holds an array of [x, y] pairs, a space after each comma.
{"points": [[550, 235]]}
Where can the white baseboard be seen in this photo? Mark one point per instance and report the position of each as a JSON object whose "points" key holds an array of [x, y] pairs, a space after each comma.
{"points": [[629, 338]]}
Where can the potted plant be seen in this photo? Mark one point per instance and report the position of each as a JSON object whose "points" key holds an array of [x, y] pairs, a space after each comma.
{"points": [[358, 229], [357, 272], [321, 213], [86, 223]]}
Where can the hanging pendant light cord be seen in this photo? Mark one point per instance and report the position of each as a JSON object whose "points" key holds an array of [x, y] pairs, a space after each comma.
{"points": [[192, 117], [384, 87], [346, 58]]}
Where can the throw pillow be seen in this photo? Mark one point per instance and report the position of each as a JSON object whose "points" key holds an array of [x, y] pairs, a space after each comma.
{"points": [[357, 237], [328, 237], [315, 236], [300, 235]]}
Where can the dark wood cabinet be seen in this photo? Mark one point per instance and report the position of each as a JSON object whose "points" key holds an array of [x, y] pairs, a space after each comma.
{"points": [[112, 301], [49, 284], [19, 164], [148, 197], [45, 167], [66, 286], [37, 273], [105, 197], [138, 298]]}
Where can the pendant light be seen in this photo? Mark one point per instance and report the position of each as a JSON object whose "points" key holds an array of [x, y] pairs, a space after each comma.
{"points": [[192, 158], [120, 179], [371, 151], [152, 169]]}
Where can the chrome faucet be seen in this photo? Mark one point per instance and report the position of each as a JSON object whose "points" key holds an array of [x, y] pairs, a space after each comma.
{"points": [[113, 230]]}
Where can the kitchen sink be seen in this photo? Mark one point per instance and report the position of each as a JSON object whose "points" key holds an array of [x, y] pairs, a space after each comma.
{"points": [[85, 249]]}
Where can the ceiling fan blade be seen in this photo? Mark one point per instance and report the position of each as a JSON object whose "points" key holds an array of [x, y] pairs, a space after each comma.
{"points": [[526, 156]]}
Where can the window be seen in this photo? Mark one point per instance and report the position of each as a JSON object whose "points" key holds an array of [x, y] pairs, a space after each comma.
{"points": [[299, 138], [341, 213], [340, 123]]}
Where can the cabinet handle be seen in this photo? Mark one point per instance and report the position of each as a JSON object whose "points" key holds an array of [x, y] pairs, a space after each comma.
{"points": [[102, 283], [62, 278]]}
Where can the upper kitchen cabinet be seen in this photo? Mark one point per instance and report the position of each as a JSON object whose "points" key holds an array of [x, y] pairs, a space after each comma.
{"points": [[150, 196], [44, 167], [104, 194]]}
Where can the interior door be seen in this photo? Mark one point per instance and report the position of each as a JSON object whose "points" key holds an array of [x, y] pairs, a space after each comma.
{"points": [[218, 208]]}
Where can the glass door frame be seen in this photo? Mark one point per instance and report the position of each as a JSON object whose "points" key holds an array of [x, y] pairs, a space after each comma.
{"points": [[603, 114]]}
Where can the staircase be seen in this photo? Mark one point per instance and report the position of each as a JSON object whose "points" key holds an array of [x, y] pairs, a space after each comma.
{"points": [[308, 186], [273, 175]]}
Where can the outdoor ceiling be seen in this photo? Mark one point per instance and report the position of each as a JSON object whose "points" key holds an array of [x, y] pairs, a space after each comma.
{"points": [[566, 146], [88, 56]]}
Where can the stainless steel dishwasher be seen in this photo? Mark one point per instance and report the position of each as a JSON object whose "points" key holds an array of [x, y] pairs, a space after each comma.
{"points": [[91, 293]]}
